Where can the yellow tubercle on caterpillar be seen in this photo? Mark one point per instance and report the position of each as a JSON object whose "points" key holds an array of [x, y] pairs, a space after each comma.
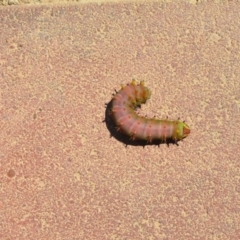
{"points": [[142, 83], [133, 82]]}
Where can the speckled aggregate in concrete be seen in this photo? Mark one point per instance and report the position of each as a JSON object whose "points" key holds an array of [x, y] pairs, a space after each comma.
{"points": [[62, 177]]}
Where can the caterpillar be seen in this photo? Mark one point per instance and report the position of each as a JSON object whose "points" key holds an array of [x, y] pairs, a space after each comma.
{"points": [[123, 106]]}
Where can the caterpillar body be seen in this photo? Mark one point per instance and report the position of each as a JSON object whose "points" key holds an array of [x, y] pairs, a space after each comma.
{"points": [[124, 103]]}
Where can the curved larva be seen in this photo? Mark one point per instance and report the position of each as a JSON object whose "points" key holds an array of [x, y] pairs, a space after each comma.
{"points": [[123, 113]]}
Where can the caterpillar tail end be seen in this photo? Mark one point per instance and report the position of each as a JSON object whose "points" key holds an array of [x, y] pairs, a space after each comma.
{"points": [[186, 130]]}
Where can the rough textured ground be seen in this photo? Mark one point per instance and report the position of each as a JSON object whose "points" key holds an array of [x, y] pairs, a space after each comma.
{"points": [[37, 2], [62, 177]]}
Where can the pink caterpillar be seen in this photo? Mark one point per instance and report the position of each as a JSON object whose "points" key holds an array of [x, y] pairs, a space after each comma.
{"points": [[137, 127]]}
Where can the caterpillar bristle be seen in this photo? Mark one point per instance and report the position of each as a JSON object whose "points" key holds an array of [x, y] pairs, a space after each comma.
{"points": [[133, 82], [164, 139], [132, 137], [149, 140], [117, 128]]}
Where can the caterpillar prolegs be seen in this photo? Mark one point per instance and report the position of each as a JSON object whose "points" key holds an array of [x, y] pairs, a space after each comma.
{"points": [[124, 103]]}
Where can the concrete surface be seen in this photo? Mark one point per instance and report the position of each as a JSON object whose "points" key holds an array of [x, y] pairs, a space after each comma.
{"points": [[49, 2], [61, 175]]}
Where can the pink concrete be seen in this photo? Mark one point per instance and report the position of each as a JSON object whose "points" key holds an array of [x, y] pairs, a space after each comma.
{"points": [[61, 175]]}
